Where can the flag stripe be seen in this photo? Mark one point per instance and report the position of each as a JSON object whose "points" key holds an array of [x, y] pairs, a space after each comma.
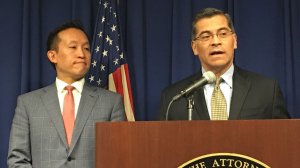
{"points": [[117, 76], [127, 83], [111, 83], [127, 95], [115, 85]]}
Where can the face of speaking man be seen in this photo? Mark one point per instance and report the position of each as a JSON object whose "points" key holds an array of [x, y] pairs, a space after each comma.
{"points": [[214, 44]]}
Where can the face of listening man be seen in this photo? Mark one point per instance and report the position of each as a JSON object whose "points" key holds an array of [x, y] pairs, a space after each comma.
{"points": [[72, 57]]}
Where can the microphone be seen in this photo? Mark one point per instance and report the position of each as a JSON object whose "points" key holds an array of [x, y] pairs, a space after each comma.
{"points": [[208, 77]]}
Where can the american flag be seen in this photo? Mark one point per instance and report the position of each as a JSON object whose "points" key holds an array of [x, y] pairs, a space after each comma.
{"points": [[109, 68]]}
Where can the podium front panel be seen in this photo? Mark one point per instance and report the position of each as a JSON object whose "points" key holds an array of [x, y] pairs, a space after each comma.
{"points": [[172, 143]]}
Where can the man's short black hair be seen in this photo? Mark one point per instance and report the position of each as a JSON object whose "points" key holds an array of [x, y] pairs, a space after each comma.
{"points": [[207, 13], [53, 39]]}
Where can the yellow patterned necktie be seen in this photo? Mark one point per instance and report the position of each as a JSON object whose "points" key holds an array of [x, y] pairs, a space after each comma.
{"points": [[218, 103]]}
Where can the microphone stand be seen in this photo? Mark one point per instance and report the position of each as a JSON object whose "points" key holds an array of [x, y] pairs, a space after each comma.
{"points": [[190, 106]]}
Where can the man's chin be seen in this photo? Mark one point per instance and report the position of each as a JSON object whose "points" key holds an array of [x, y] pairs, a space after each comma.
{"points": [[82, 69], [81, 74], [219, 64]]}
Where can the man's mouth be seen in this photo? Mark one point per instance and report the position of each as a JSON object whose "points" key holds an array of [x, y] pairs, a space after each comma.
{"points": [[216, 52], [77, 62]]}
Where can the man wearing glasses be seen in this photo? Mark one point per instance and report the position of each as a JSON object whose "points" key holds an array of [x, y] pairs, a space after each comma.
{"points": [[236, 94]]}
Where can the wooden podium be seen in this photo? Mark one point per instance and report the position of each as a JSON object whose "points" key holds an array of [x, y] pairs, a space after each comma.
{"points": [[156, 144]]}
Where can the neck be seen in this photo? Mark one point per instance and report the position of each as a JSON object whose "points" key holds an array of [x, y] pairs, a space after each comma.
{"points": [[218, 71]]}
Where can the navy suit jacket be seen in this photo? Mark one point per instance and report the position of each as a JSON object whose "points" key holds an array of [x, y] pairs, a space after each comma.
{"points": [[254, 97]]}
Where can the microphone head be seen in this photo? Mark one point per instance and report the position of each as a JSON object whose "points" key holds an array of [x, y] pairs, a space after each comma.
{"points": [[209, 76]]}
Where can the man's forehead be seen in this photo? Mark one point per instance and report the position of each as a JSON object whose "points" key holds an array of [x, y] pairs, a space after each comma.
{"points": [[213, 23], [73, 35]]}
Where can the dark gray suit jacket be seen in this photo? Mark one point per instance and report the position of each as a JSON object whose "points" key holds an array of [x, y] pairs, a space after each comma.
{"points": [[38, 139], [253, 97]]}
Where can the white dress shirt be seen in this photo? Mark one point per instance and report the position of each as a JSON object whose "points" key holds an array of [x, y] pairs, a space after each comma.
{"points": [[225, 86], [61, 92]]}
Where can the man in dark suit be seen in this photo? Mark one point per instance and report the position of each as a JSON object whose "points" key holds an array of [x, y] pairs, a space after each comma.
{"points": [[246, 95], [45, 132]]}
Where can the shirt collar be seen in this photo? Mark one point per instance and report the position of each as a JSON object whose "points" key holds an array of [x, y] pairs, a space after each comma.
{"points": [[227, 76], [78, 85]]}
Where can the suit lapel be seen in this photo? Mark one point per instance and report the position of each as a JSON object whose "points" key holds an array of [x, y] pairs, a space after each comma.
{"points": [[87, 101], [241, 87], [200, 107], [50, 100]]}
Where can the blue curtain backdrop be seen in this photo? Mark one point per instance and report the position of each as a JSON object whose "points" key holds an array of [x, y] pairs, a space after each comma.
{"points": [[156, 35]]}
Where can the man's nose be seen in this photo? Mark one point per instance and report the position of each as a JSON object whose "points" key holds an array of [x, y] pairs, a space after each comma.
{"points": [[215, 40], [81, 52]]}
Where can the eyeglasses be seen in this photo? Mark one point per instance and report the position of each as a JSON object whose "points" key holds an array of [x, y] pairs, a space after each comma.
{"points": [[207, 36]]}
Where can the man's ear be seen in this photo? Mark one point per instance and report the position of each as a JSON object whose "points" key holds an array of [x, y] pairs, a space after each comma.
{"points": [[194, 48], [52, 56], [235, 41]]}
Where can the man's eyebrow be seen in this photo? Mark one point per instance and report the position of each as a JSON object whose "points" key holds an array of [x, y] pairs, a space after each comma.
{"points": [[205, 31], [210, 32], [84, 43], [223, 28]]}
